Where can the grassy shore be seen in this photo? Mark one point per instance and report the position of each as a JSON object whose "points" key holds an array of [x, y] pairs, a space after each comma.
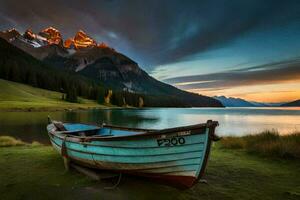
{"points": [[33, 171], [267, 143], [19, 97]]}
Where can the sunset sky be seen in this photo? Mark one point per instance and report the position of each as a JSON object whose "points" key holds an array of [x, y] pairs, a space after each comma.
{"points": [[247, 49]]}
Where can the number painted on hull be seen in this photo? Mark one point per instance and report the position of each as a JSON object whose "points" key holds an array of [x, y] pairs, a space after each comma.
{"points": [[174, 141]]}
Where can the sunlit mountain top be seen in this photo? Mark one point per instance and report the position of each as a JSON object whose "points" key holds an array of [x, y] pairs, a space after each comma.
{"points": [[51, 35]]}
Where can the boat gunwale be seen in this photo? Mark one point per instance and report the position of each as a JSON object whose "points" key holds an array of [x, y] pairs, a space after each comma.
{"points": [[148, 132]]}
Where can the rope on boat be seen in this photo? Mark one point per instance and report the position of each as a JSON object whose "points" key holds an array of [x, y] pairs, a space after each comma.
{"points": [[115, 185], [49, 119], [64, 154], [119, 178]]}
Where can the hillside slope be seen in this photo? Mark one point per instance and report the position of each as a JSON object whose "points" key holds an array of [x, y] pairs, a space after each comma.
{"points": [[292, 104], [17, 96], [118, 72]]}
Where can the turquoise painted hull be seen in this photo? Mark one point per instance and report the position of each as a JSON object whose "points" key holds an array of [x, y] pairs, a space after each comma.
{"points": [[178, 156]]}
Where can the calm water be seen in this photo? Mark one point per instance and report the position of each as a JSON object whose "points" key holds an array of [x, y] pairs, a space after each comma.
{"points": [[30, 126]]}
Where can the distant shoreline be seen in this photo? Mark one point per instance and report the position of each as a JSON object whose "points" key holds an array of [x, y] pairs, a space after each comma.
{"points": [[50, 109], [83, 106], [68, 107]]}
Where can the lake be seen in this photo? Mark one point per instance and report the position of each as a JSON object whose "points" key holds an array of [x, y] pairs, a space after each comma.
{"points": [[31, 126]]}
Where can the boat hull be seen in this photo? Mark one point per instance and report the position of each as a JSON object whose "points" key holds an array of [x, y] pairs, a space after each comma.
{"points": [[178, 158]]}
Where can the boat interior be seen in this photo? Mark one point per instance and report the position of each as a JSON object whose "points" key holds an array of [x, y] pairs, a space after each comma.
{"points": [[92, 130], [86, 130]]}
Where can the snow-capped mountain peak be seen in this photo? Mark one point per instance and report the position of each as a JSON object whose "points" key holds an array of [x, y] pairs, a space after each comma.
{"points": [[10, 34], [80, 40], [52, 35]]}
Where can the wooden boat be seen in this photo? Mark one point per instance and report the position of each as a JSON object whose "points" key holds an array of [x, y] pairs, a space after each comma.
{"points": [[177, 156]]}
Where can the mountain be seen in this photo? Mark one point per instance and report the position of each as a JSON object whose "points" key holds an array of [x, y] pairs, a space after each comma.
{"points": [[258, 104], [19, 66], [292, 104], [10, 34], [80, 41], [234, 102], [46, 44], [238, 102], [82, 55]]}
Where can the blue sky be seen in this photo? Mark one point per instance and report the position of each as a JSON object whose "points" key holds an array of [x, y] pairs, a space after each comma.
{"points": [[254, 48]]}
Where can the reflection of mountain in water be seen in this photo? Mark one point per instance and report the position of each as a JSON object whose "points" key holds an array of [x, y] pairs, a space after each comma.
{"points": [[233, 121], [119, 117]]}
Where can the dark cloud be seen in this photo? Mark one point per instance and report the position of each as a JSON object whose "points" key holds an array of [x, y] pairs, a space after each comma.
{"points": [[152, 32], [279, 72]]}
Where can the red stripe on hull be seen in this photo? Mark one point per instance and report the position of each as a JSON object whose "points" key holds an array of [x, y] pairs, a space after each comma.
{"points": [[182, 182]]}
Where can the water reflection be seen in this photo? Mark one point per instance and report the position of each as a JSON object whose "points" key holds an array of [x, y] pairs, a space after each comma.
{"points": [[30, 126]]}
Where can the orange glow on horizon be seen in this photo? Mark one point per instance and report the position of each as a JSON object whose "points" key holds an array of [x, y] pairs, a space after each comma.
{"points": [[272, 93]]}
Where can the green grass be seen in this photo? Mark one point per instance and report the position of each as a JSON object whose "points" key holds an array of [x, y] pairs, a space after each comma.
{"points": [[267, 143], [37, 172], [8, 141], [16, 96]]}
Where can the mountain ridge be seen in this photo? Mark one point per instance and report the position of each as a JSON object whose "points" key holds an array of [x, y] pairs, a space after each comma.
{"points": [[295, 103], [234, 102], [239, 102], [110, 68]]}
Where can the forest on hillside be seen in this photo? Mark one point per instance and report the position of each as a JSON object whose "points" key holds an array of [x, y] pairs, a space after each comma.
{"points": [[18, 66]]}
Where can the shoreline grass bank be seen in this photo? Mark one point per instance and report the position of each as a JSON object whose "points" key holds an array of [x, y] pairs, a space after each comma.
{"points": [[268, 143], [30, 171], [44, 107]]}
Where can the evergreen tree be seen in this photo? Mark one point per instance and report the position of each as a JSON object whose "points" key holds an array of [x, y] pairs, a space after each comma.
{"points": [[101, 95], [71, 95]]}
